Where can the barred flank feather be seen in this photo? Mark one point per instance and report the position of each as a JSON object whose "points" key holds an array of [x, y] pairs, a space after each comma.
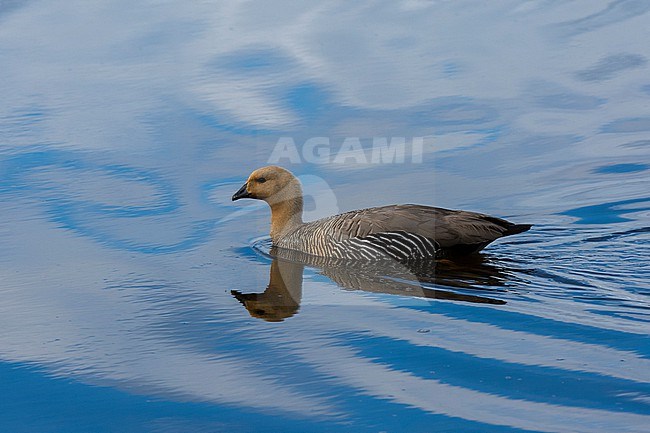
{"points": [[401, 232]]}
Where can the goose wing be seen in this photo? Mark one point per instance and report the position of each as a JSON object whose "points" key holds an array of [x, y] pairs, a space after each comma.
{"points": [[449, 228]]}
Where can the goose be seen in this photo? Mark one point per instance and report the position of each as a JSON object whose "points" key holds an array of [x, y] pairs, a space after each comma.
{"points": [[398, 232]]}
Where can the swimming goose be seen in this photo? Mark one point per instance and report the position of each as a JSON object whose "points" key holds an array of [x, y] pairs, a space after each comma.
{"points": [[401, 232]]}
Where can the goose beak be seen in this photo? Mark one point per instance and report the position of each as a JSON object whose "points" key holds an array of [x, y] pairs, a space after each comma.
{"points": [[242, 193]]}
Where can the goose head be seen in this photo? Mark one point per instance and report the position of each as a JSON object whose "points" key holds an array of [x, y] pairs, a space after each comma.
{"points": [[283, 193], [272, 184]]}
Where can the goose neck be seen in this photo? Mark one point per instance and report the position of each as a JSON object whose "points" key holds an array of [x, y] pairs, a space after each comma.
{"points": [[286, 216]]}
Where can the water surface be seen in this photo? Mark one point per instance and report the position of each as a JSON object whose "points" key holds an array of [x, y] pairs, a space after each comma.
{"points": [[136, 297]]}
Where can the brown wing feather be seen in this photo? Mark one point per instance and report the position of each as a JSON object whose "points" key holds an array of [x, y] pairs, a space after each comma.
{"points": [[449, 228]]}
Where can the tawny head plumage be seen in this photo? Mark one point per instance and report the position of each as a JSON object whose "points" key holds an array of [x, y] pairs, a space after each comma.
{"points": [[272, 184]]}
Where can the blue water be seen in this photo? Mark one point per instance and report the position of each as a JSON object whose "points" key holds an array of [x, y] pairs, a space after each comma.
{"points": [[136, 297]]}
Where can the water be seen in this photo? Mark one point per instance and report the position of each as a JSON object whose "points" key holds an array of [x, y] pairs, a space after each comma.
{"points": [[134, 293]]}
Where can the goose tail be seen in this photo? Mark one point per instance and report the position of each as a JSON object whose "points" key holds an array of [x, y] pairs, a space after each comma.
{"points": [[517, 228]]}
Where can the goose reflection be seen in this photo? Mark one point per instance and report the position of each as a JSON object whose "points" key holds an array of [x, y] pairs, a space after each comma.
{"points": [[281, 298]]}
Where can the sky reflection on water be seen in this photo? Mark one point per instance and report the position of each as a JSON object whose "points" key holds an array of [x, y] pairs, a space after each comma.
{"points": [[125, 129]]}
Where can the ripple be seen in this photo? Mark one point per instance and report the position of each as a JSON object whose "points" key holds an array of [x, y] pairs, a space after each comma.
{"points": [[610, 66], [630, 124], [615, 12]]}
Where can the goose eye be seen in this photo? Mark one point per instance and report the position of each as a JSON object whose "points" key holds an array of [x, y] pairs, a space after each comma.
{"points": [[261, 179]]}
